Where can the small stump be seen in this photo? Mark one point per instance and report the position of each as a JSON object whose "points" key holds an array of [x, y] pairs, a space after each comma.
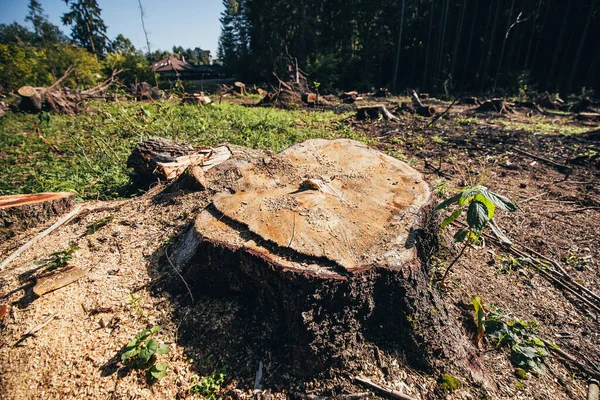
{"points": [[23, 211], [325, 237]]}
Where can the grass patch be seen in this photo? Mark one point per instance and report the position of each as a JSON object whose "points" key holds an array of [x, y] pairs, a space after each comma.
{"points": [[542, 125], [87, 154]]}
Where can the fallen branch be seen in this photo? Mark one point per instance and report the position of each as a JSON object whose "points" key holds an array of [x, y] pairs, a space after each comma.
{"points": [[33, 330], [559, 166], [392, 393], [103, 86], [31, 242]]}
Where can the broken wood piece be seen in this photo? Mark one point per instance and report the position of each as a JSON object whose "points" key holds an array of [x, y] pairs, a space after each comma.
{"points": [[593, 390], [57, 280], [36, 328], [170, 170], [46, 232], [163, 159], [354, 396], [390, 392], [374, 112]]}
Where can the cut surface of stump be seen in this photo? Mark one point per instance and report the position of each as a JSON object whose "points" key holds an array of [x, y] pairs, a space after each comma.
{"points": [[325, 237], [23, 211]]}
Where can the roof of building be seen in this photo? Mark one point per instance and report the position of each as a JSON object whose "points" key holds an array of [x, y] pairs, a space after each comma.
{"points": [[171, 64]]}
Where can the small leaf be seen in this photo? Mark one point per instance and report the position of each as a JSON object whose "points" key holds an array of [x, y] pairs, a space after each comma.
{"points": [[477, 216], [162, 349], [155, 329], [479, 315], [461, 235], [158, 371], [447, 221], [446, 203]]}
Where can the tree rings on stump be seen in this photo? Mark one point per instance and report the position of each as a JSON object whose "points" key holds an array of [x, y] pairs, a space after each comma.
{"points": [[23, 211], [325, 236]]}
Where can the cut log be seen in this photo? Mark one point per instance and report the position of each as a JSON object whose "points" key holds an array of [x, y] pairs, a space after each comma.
{"points": [[31, 99], [163, 159], [322, 240], [375, 112], [309, 98], [23, 211]]}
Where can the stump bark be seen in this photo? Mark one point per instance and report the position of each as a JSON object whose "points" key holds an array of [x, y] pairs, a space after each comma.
{"points": [[23, 211], [323, 240]]}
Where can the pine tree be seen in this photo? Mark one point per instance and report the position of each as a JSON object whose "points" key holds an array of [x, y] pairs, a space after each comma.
{"points": [[87, 27]]}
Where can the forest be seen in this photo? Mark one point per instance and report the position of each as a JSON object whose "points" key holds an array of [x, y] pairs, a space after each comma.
{"points": [[443, 47], [395, 199]]}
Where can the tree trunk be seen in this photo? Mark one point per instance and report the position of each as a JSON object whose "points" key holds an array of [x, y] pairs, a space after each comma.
{"points": [[323, 242], [580, 46], [24, 211], [399, 46]]}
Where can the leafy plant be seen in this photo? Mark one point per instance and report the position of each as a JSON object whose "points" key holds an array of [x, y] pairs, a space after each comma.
{"points": [[141, 353], [527, 349], [58, 259], [210, 385], [480, 204], [136, 303]]}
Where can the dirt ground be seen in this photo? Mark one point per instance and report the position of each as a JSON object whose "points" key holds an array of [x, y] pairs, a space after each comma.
{"points": [[129, 285]]}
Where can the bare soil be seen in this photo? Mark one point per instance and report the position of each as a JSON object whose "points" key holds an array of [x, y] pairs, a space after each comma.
{"points": [[76, 354]]}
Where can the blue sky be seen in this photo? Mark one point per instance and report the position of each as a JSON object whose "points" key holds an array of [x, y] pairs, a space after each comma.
{"points": [[187, 23]]}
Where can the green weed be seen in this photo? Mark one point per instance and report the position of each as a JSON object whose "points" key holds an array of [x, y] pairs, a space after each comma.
{"points": [[480, 204], [527, 349], [141, 353], [57, 260], [210, 385]]}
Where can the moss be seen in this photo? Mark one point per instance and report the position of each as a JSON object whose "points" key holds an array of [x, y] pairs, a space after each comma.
{"points": [[449, 383]]}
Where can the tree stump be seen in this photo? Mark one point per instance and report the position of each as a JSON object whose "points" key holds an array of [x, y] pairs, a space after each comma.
{"points": [[31, 99], [23, 211], [324, 240]]}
